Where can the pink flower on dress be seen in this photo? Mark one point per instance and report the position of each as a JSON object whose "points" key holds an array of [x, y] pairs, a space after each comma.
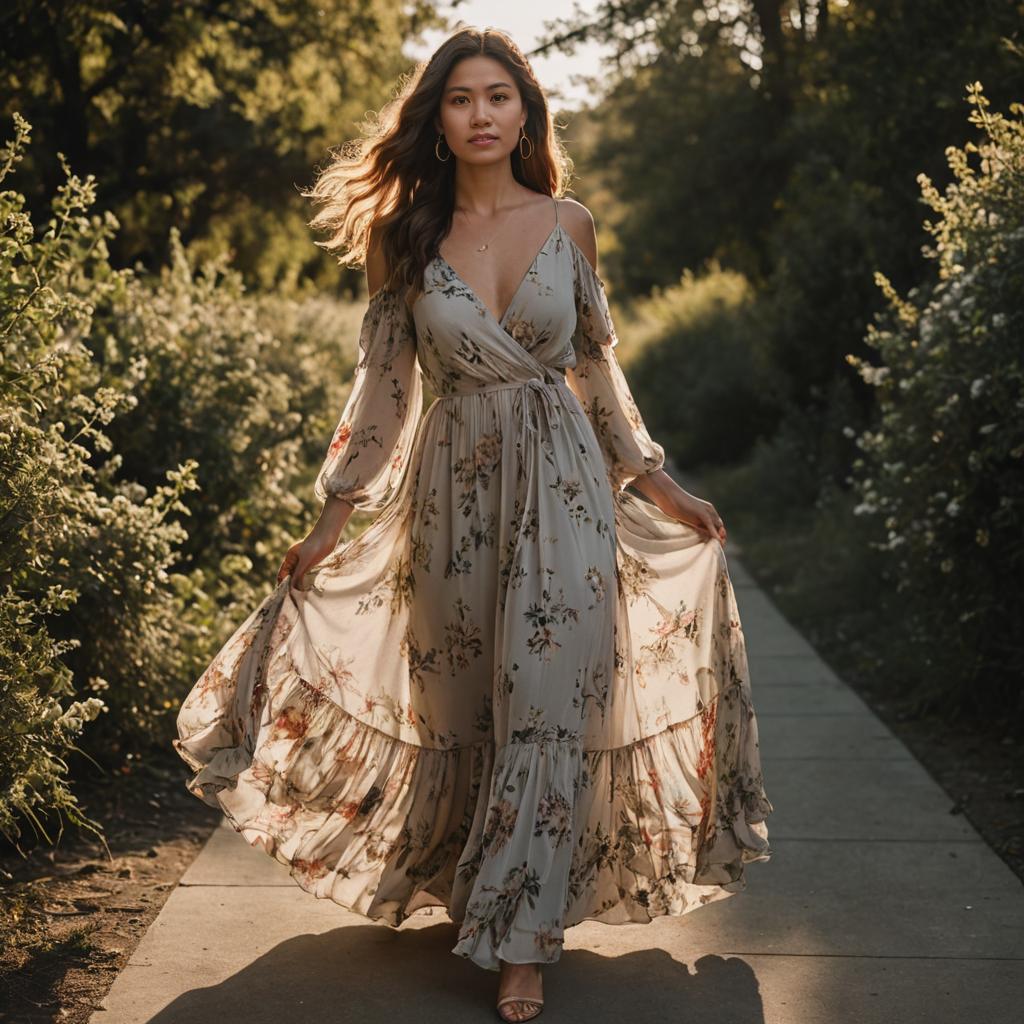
{"points": [[341, 436], [348, 810], [310, 870], [291, 724], [282, 815]]}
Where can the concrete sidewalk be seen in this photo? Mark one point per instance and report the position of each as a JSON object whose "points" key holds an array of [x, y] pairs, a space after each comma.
{"points": [[879, 906]]}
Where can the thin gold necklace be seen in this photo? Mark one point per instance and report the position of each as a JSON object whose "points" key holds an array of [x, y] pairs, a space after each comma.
{"points": [[483, 248]]}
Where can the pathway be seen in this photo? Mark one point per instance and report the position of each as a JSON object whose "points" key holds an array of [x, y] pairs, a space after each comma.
{"points": [[879, 906]]}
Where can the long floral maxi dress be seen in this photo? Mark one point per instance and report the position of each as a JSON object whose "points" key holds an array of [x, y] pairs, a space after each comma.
{"points": [[521, 694]]}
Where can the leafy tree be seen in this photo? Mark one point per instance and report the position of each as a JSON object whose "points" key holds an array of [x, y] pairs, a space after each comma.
{"points": [[204, 116], [782, 138], [887, 87]]}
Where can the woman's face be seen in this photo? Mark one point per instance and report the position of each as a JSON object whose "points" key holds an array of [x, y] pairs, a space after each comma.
{"points": [[480, 98]]}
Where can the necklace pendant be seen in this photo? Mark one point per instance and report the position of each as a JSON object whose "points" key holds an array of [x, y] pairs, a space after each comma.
{"points": [[480, 248]]}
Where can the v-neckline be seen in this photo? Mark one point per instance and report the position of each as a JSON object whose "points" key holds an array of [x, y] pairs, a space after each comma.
{"points": [[500, 321]]}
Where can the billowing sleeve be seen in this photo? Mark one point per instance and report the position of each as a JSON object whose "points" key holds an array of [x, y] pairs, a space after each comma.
{"points": [[599, 383], [369, 452]]}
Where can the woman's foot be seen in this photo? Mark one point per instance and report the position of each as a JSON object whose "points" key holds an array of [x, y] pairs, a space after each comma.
{"points": [[523, 981]]}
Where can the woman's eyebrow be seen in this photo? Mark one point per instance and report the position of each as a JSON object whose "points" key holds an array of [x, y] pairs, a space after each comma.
{"points": [[466, 88]]}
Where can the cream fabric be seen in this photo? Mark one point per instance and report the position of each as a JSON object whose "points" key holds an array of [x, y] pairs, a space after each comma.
{"points": [[522, 693]]}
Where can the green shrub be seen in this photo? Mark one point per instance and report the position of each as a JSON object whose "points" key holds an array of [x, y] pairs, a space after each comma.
{"points": [[942, 472], [701, 372], [260, 432], [72, 535], [119, 395]]}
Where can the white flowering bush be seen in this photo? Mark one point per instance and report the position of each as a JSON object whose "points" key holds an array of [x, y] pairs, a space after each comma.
{"points": [[941, 471]]}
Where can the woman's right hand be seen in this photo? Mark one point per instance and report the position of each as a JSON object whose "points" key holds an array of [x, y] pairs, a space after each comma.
{"points": [[321, 542], [301, 557]]}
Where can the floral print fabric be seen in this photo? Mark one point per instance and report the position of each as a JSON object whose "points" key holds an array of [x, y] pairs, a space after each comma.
{"points": [[522, 693]]}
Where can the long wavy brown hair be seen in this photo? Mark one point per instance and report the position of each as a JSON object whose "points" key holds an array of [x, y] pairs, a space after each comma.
{"points": [[391, 180]]}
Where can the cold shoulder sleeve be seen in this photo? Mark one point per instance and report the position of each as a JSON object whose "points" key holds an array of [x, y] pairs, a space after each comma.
{"points": [[369, 451], [599, 383]]}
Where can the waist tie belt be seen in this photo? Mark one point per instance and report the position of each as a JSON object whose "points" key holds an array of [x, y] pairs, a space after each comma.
{"points": [[544, 389]]}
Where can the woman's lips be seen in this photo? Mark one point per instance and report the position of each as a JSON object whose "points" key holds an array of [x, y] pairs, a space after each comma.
{"points": [[483, 142]]}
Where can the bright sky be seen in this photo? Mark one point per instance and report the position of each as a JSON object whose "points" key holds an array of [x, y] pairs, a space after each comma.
{"points": [[524, 21]]}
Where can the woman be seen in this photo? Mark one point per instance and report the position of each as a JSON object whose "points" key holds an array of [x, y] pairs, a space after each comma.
{"points": [[522, 693]]}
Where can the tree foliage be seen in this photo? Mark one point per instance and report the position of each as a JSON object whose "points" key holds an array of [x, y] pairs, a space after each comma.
{"points": [[202, 116], [783, 138]]}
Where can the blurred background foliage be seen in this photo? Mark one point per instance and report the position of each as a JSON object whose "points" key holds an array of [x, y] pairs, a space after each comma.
{"points": [[206, 117], [811, 225]]}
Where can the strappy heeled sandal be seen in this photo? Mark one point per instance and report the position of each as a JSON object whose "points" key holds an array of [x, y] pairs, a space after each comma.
{"points": [[539, 1003]]}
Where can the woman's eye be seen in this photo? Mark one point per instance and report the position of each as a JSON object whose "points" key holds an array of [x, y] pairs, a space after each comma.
{"points": [[496, 96]]}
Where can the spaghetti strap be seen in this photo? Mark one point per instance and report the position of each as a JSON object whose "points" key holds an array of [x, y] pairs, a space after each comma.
{"points": [[555, 201]]}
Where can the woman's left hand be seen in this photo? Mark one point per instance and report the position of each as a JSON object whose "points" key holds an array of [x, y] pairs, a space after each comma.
{"points": [[697, 512], [680, 504]]}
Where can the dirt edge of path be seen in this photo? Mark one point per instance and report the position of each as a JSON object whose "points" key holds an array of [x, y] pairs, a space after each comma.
{"points": [[78, 914]]}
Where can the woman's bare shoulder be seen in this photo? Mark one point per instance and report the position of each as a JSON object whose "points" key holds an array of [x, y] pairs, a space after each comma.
{"points": [[579, 223]]}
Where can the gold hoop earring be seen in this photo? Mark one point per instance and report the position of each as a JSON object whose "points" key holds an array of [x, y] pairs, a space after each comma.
{"points": [[525, 138], [443, 159]]}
